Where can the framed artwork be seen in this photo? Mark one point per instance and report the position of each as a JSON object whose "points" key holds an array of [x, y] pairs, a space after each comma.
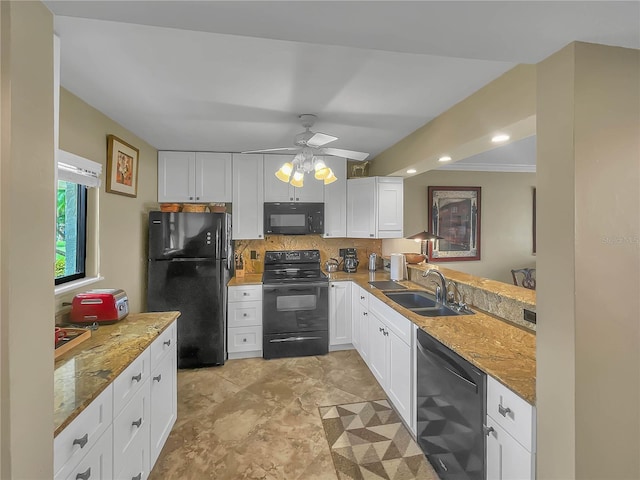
{"points": [[454, 214], [122, 167]]}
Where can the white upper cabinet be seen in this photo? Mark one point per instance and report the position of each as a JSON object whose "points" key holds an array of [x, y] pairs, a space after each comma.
{"points": [[335, 199], [375, 207], [248, 196], [194, 177], [276, 190]]}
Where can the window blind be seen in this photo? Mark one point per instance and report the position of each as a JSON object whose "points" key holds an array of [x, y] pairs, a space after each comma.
{"points": [[76, 169]]}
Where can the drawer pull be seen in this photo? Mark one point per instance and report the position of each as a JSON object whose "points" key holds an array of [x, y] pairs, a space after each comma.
{"points": [[503, 411], [82, 441], [380, 329], [361, 297], [137, 477], [137, 378], [245, 315], [137, 423], [167, 343], [244, 340], [245, 294], [365, 313], [487, 430], [158, 378], [85, 475]]}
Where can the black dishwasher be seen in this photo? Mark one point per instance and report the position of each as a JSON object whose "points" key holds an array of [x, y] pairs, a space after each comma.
{"points": [[451, 410]]}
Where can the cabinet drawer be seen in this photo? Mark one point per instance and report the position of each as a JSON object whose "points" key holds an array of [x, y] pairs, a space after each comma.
{"points": [[73, 443], [166, 342], [398, 323], [97, 464], [511, 412], [131, 425], [130, 380], [244, 339], [135, 463], [244, 314], [245, 293]]}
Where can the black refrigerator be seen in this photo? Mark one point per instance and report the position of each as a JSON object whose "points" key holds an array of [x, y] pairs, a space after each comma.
{"points": [[190, 262]]}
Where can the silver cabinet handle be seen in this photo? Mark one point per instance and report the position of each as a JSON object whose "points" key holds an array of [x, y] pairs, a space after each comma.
{"points": [[137, 477], [365, 313], [85, 475], [197, 198], [158, 378], [82, 441], [380, 329], [487, 430], [167, 343], [137, 423], [361, 297], [503, 411], [136, 378]]}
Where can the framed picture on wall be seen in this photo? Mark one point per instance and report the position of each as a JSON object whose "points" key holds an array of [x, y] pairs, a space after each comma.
{"points": [[454, 215], [122, 167]]}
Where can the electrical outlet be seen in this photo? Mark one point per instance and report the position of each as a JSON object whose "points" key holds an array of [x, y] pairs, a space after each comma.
{"points": [[254, 255], [342, 252]]}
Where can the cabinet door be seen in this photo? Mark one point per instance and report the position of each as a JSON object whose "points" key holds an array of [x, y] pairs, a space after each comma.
{"points": [[275, 190], [390, 207], [131, 435], [335, 199], [163, 403], [248, 198], [213, 178], [97, 463], [506, 458], [339, 313], [312, 191], [399, 379], [377, 349], [176, 176], [361, 209]]}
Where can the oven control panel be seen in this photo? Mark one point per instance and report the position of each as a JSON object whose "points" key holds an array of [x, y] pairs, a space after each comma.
{"points": [[292, 256]]}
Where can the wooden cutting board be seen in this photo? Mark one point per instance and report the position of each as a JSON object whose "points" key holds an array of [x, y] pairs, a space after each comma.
{"points": [[75, 336]]}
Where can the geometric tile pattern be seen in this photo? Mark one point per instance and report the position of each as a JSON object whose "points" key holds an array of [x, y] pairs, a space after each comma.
{"points": [[368, 441]]}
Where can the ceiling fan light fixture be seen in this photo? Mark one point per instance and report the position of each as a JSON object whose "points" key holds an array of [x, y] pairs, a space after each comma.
{"points": [[284, 173], [330, 178], [298, 179]]}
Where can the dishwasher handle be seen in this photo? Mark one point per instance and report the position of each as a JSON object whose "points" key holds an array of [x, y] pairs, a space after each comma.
{"points": [[446, 364]]}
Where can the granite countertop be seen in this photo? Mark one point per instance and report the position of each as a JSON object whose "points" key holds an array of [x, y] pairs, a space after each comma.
{"points": [[247, 279], [503, 350], [82, 373]]}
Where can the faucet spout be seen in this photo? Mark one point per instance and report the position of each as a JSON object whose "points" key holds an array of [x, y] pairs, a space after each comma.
{"points": [[441, 291]]}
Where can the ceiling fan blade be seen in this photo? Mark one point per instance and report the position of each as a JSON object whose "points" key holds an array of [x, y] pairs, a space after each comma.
{"points": [[267, 150], [320, 139], [338, 152]]}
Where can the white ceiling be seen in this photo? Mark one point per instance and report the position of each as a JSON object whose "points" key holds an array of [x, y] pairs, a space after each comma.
{"points": [[233, 76]]}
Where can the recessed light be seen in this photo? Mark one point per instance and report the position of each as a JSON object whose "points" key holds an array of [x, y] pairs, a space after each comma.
{"points": [[503, 137], [412, 170], [445, 158]]}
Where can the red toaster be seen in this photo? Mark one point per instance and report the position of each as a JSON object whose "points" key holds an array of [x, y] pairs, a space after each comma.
{"points": [[106, 305]]}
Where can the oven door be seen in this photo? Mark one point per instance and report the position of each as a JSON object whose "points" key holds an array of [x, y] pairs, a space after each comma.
{"points": [[295, 308]]}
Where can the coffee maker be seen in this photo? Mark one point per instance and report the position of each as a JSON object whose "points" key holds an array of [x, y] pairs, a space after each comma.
{"points": [[350, 260]]}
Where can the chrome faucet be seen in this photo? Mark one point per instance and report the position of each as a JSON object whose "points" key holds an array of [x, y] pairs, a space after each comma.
{"points": [[441, 290]]}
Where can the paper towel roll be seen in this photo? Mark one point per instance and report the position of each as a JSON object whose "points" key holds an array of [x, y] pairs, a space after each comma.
{"points": [[397, 268]]}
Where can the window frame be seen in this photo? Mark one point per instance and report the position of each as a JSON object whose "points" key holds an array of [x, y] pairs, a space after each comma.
{"points": [[81, 247]]}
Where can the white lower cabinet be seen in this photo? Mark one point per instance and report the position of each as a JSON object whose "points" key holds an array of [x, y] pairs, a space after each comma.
{"points": [[510, 427], [120, 438], [340, 330], [359, 321], [244, 321]]}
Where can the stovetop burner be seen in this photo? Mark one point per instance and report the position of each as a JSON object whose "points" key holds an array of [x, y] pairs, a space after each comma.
{"points": [[292, 266]]}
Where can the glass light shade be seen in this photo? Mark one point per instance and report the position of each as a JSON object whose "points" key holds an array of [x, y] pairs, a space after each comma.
{"points": [[298, 179], [285, 172], [330, 178], [322, 173]]}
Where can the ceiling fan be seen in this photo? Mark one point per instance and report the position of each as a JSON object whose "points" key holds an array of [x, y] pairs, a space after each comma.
{"points": [[314, 141]]}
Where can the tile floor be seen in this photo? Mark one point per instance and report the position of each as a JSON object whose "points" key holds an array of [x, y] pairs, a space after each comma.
{"points": [[259, 419]]}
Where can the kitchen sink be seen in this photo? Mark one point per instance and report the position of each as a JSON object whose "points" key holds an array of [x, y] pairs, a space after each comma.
{"points": [[412, 299], [440, 311]]}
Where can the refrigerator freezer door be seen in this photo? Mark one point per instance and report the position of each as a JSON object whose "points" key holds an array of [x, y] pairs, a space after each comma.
{"points": [[196, 289], [188, 235]]}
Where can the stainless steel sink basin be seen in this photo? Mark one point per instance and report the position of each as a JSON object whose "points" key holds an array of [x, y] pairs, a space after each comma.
{"points": [[424, 303], [412, 299]]}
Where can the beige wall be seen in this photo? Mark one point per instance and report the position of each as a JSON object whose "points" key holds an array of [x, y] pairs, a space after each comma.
{"points": [[27, 202], [508, 103], [123, 220], [506, 219], [588, 384]]}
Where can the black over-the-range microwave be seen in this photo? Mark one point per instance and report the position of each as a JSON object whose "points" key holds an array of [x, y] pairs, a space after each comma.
{"points": [[293, 218]]}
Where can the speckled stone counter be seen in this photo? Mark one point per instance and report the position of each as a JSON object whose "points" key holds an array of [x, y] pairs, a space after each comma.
{"points": [[248, 279], [503, 350], [81, 374]]}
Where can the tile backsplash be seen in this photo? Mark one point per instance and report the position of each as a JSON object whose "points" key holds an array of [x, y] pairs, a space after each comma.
{"points": [[328, 247]]}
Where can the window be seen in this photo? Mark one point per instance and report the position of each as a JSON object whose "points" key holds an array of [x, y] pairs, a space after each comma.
{"points": [[71, 227], [75, 176]]}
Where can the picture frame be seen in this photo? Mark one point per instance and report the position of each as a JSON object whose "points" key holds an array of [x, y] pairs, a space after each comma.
{"points": [[454, 214], [122, 167]]}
